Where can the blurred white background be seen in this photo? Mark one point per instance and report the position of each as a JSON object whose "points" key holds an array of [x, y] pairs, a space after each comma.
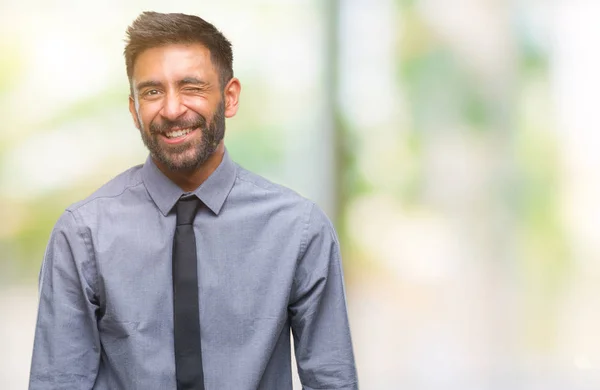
{"points": [[454, 143]]}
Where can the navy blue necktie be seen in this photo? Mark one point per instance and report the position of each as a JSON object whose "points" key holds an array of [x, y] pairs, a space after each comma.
{"points": [[186, 321]]}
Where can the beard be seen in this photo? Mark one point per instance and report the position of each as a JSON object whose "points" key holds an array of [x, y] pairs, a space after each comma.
{"points": [[190, 155]]}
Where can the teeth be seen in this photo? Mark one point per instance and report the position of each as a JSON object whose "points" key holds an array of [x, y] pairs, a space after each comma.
{"points": [[178, 133]]}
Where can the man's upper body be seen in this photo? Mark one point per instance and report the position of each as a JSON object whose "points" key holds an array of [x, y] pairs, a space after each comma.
{"points": [[268, 259]]}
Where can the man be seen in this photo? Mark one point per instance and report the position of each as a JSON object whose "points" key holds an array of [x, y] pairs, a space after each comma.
{"points": [[188, 271]]}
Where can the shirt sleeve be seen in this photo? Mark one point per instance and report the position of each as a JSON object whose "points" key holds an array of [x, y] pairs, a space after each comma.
{"points": [[318, 312], [66, 351]]}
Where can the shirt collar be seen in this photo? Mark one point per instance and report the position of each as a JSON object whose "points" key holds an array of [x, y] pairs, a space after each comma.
{"points": [[212, 192]]}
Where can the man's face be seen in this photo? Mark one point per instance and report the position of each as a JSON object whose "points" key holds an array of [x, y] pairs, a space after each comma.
{"points": [[178, 105]]}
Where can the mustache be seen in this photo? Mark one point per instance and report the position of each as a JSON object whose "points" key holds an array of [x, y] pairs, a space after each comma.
{"points": [[167, 125]]}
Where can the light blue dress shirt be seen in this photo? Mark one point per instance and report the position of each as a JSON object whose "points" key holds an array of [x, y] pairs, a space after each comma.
{"points": [[268, 261]]}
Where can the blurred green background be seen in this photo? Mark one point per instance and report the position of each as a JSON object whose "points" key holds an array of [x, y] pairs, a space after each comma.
{"points": [[453, 143]]}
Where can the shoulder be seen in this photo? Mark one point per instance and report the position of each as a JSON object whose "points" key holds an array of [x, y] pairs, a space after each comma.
{"points": [[256, 189], [111, 190], [263, 185], [260, 189]]}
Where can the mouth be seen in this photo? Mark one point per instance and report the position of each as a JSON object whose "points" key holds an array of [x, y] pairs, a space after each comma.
{"points": [[176, 136]]}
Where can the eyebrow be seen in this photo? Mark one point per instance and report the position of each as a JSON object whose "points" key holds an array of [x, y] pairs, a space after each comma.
{"points": [[185, 81], [149, 83], [193, 80]]}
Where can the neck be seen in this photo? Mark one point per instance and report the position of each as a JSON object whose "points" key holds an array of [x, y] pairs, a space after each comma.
{"points": [[190, 180]]}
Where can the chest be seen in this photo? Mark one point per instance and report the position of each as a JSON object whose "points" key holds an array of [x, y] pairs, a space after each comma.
{"points": [[245, 270]]}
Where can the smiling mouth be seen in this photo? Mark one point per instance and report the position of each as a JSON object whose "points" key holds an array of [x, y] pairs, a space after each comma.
{"points": [[178, 133]]}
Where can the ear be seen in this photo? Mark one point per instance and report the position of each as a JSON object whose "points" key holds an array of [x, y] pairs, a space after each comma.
{"points": [[133, 113], [231, 94]]}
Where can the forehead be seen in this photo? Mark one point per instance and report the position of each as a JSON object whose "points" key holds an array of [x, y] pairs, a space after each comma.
{"points": [[174, 62]]}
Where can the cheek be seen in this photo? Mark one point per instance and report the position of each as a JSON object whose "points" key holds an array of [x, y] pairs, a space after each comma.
{"points": [[198, 105], [140, 122], [146, 114]]}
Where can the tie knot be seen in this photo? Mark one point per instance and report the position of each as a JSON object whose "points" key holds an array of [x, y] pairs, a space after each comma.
{"points": [[186, 210]]}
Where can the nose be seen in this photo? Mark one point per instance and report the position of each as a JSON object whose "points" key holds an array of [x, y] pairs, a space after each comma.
{"points": [[173, 107]]}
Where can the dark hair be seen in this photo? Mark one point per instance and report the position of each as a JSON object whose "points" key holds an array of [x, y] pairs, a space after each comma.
{"points": [[153, 29]]}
